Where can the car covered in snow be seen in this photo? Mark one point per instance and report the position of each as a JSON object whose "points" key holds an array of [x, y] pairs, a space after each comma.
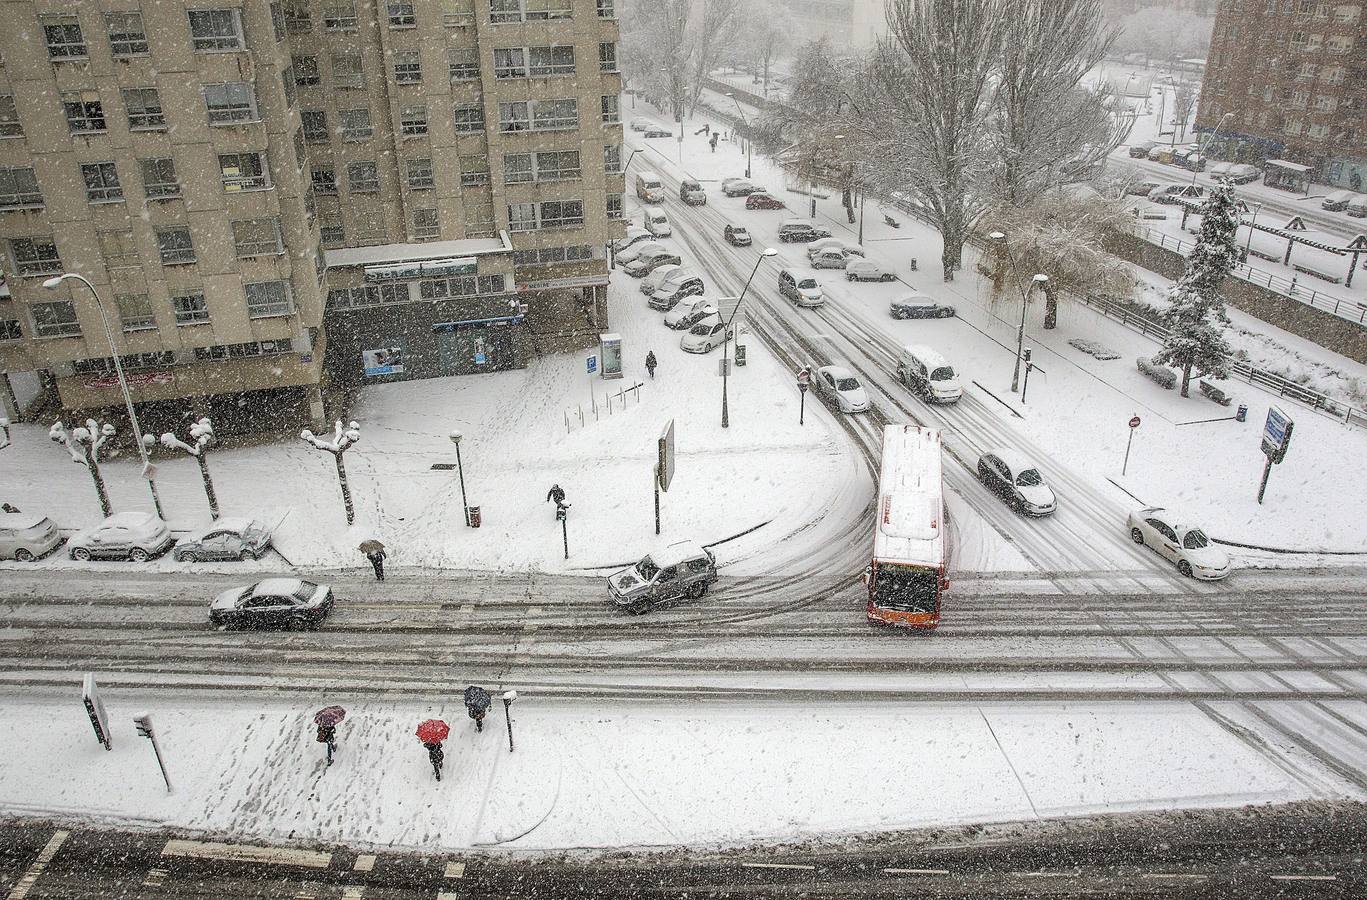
{"points": [[802, 231], [651, 260], [640, 124], [737, 235], [273, 603], [738, 187], [705, 336], [1014, 478], [1174, 193], [830, 258], [919, 306], [231, 537], [691, 192], [686, 315], [138, 536], [1143, 187], [682, 569], [652, 282], [636, 249], [1243, 173], [839, 385], [1141, 151], [863, 270], [1337, 201], [763, 200], [27, 536], [802, 289], [823, 243], [634, 236], [656, 130], [680, 285], [1182, 543], [1218, 169]]}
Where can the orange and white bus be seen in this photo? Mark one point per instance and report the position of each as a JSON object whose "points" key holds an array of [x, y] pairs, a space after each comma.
{"points": [[907, 574]]}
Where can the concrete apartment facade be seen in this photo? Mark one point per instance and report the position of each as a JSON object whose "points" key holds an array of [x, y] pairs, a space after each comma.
{"points": [[1294, 75], [406, 189]]}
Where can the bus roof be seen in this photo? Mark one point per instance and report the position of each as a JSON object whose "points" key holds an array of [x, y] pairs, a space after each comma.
{"points": [[910, 524]]}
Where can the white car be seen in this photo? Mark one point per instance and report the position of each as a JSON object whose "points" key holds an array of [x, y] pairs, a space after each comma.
{"points": [[1017, 481], [828, 243], [1184, 544], [657, 223], [138, 536], [231, 537], [635, 235], [830, 258], [635, 250], [839, 385], [686, 315], [651, 283], [273, 603], [704, 336], [863, 270], [640, 124]]}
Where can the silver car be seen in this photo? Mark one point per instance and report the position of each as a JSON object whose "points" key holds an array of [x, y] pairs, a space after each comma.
{"points": [[684, 569], [27, 536], [232, 537], [138, 536]]}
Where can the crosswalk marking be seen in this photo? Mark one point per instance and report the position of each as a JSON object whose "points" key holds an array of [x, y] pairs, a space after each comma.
{"points": [[154, 878], [364, 863], [283, 856], [455, 870], [35, 871], [352, 892]]}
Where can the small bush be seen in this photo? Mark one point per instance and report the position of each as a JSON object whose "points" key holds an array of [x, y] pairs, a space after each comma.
{"points": [[1161, 375]]}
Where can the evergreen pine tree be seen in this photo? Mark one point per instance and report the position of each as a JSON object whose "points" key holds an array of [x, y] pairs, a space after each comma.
{"points": [[1196, 315]]}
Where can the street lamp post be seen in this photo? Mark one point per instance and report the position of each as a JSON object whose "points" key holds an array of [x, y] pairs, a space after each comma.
{"points": [[726, 334], [460, 471], [508, 698], [1248, 244], [1201, 151], [148, 470], [747, 128], [1041, 280]]}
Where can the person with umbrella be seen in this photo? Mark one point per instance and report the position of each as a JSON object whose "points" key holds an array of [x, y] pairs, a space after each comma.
{"points": [[477, 702], [432, 733], [326, 719], [374, 551]]}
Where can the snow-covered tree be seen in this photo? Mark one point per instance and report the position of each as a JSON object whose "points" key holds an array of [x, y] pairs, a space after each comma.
{"points": [[1196, 317], [1167, 34], [1184, 98], [342, 440], [818, 108], [202, 434], [712, 34], [656, 49], [84, 443], [767, 32]]}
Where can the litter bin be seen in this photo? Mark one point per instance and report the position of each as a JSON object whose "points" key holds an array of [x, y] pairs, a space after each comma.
{"points": [[740, 354], [1241, 414], [472, 514]]}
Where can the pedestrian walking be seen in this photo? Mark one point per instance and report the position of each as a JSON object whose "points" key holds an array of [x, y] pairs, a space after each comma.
{"points": [[327, 734], [714, 143], [435, 754], [477, 702], [557, 494], [374, 551], [651, 363], [326, 719], [431, 733]]}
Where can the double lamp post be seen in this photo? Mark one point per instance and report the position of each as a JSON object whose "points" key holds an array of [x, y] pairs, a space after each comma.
{"points": [[726, 334]]}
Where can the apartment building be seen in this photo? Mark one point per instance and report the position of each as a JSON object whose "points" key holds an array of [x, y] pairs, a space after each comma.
{"points": [[404, 189], [1293, 76], [849, 24]]}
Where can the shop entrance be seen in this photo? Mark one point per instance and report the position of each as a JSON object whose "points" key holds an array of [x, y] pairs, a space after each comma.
{"points": [[470, 349]]}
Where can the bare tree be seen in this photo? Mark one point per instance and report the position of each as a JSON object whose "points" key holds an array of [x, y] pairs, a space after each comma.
{"points": [[342, 441], [1184, 98], [656, 49], [712, 35], [202, 433], [767, 33], [929, 102], [84, 443], [819, 107]]}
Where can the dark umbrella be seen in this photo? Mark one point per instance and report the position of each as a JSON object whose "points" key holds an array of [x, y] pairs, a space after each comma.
{"points": [[371, 546], [433, 731], [329, 716]]}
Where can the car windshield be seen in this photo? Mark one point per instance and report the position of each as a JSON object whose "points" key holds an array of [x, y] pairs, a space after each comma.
{"points": [[740, 231], [1195, 540], [807, 283], [943, 373], [304, 591], [647, 568], [1029, 478], [702, 328], [846, 384]]}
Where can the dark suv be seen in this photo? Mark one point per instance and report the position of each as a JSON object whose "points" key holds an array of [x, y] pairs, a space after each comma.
{"points": [[736, 235], [801, 232]]}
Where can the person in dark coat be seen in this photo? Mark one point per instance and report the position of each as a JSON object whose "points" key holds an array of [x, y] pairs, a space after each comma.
{"points": [[436, 755], [477, 702], [557, 494], [327, 734], [651, 362], [714, 143], [376, 558]]}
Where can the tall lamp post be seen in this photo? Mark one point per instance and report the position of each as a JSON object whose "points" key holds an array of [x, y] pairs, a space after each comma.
{"points": [[747, 128], [1201, 151], [726, 333], [148, 470], [1041, 280], [460, 470], [1248, 244]]}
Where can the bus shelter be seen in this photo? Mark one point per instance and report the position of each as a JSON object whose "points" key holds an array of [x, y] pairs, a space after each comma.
{"points": [[1287, 176]]}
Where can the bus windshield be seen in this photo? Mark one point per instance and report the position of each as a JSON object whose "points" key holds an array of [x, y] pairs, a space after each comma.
{"points": [[906, 588]]}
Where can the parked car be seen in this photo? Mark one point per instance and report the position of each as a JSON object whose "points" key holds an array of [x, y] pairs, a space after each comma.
{"points": [[1337, 201], [1141, 151], [1162, 154], [688, 313], [928, 374], [863, 270], [138, 536], [1243, 173], [635, 235], [273, 603], [919, 306], [683, 569], [232, 537], [1190, 159], [657, 278], [801, 289], [639, 124], [1172, 193], [839, 385], [705, 335], [649, 187], [635, 250], [657, 223], [831, 258], [800, 231], [736, 235], [680, 285], [1219, 169], [1017, 481], [762, 200], [656, 130], [650, 261], [1184, 544], [27, 536], [823, 243], [1143, 188], [692, 193], [1357, 208], [738, 187]]}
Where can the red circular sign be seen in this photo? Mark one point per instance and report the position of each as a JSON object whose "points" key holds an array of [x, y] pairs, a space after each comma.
{"points": [[1134, 423]]}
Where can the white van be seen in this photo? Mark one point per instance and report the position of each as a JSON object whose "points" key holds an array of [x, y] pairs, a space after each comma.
{"points": [[929, 374], [649, 187], [1337, 201], [657, 223], [801, 289]]}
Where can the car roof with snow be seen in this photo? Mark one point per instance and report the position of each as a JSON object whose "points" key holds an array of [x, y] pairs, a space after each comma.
{"points": [[236, 524], [20, 520], [276, 587], [130, 519], [916, 300], [1016, 461], [838, 372], [677, 552]]}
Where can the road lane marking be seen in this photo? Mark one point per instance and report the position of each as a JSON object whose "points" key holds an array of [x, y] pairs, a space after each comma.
{"points": [[751, 865], [1304, 877], [1172, 875], [35, 871], [447, 895], [282, 856], [352, 892], [915, 871], [364, 863], [154, 878], [455, 870], [1045, 874]]}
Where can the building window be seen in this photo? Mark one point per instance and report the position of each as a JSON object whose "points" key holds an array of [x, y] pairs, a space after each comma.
{"points": [[339, 16], [315, 123], [63, 37], [504, 11], [243, 351], [413, 121], [606, 9], [118, 248], [401, 15], [517, 168], [557, 165], [426, 225], [612, 112], [127, 35], [244, 171], [55, 319], [363, 177], [257, 237], [468, 119], [474, 171], [305, 70], [144, 109], [135, 312], [615, 209], [10, 330], [175, 245], [612, 158], [513, 116], [230, 102], [190, 309], [463, 64], [419, 172], [347, 71], [407, 66], [9, 118], [521, 216], [324, 180], [268, 298], [101, 183], [330, 230], [297, 18], [607, 57], [159, 178], [554, 115], [551, 60], [356, 124], [277, 21], [84, 112], [561, 213], [458, 13], [35, 256], [510, 62], [542, 10], [19, 189], [216, 30]]}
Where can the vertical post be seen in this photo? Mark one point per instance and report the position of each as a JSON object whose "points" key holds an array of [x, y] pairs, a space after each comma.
{"points": [[563, 515], [801, 407], [460, 471], [725, 369], [1028, 366], [508, 698], [1267, 470], [143, 723], [1128, 444]]}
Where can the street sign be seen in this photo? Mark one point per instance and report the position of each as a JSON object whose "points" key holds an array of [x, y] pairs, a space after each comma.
{"points": [[804, 379], [591, 363], [1276, 434], [94, 707], [1134, 422], [665, 464]]}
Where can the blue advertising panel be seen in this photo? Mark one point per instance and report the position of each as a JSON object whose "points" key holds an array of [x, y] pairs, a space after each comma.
{"points": [[1276, 433]]}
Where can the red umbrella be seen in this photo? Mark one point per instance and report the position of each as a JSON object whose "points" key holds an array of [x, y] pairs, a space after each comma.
{"points": [[329, 715], [433, 731]]}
